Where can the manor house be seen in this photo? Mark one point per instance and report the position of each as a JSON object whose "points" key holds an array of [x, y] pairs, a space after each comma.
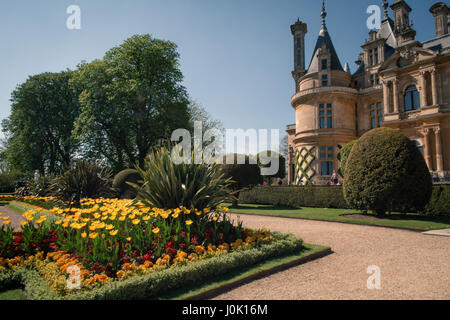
{"points": [[399, 83]]}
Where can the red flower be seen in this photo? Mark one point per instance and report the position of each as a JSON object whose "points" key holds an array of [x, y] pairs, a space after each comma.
{"points": [[170, 244], [18, 239], [182, 246], [147, 257], [171, 251]]}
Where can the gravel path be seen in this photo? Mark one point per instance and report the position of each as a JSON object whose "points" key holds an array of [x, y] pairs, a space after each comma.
{"points": [[413, 265], [15, 218]]}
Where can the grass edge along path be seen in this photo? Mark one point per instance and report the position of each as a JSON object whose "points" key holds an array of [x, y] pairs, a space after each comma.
{"points": [[413, 222], [21, 207], [210, 289]]}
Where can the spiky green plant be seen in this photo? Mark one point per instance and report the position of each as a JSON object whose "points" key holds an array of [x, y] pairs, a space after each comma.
{"points": [[83, 179], [168, 185]]}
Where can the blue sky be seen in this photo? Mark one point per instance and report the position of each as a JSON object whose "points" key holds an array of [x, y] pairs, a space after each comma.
{"points": [[236, 55]]}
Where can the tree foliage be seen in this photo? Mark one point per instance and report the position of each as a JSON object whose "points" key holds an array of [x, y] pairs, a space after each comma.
{"points": [[39, 129], [386, 172], [132, 99]]}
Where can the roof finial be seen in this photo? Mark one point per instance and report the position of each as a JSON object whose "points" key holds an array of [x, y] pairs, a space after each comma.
{"points": [[323, 15], [385, 7]]}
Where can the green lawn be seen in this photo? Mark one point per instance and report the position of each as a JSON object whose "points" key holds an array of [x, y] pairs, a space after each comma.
{"points": [[16, 294], [410, 221]]}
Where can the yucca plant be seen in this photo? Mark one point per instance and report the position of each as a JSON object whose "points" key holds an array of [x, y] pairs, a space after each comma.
{"points": [[168, 185], [83, 179]]}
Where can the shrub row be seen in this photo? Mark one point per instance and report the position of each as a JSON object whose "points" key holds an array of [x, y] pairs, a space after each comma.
{"points": [[296, 196], [329, 197], [440, 201], [154, 284]]}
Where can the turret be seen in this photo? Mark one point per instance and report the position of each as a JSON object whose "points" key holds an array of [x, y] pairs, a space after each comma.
{"points": [[440, 13], [403, 29], [299, 30]]}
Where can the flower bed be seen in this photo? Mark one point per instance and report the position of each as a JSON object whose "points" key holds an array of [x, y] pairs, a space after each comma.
{"points": [[124, 250]]}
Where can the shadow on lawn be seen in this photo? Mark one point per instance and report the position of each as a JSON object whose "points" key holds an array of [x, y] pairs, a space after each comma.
{"points": [[264, 208], [399, 216]]}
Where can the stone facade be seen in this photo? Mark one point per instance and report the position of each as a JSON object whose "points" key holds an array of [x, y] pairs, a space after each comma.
{"points": [[399, 83]]}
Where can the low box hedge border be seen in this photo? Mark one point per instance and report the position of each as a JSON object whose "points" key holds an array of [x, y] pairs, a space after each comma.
{"points": [[296, 196], [152, 285], [330, 197]]}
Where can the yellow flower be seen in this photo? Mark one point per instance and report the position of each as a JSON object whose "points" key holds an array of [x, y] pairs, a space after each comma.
{"points": [[215, 219], [113, 233], [58, 222], [155, 231], [206, 210], [6, 222], [226, 209], [129, 239], [189, 222], [122, 218], [84, 235], [199, 213], [136, 221], [24, 223], [146, 218], [93, 235]]}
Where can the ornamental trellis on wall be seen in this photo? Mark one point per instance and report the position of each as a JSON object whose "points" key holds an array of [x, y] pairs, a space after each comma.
{"points": [[304, 171]]}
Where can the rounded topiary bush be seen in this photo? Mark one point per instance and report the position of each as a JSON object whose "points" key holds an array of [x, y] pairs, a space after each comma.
{"points": [[120, 184], [343, 156], [386, 172]]}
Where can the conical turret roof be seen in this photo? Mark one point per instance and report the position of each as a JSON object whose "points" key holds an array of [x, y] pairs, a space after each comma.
{"points": [[324, 43]]}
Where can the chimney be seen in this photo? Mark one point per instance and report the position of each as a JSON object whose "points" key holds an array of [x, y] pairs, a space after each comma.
{"points": [[440, 13], [360, 60]]}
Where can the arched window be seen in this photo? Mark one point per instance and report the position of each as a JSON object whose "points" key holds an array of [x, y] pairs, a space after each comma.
{"points": [[412, 99]]}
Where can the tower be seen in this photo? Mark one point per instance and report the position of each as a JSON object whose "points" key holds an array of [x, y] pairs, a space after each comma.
{"points": [[403, 29], [299, 30], [440, 13]]}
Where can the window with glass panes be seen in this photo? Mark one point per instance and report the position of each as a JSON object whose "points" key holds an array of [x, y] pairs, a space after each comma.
{"points": [[325, 116], [326, 158], [412, 99], [376, 115], [324, 80]]}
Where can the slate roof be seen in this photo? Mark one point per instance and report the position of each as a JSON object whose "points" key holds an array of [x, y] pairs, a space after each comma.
{"points": [[324, 40]]}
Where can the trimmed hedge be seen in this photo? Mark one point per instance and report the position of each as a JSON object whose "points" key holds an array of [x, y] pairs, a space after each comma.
{"points": [[330, 197], [440, 201], [150, 286], [296, 196]]}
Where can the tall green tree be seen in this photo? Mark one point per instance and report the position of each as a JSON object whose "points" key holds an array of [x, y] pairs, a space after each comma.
{"points": [[39, 129], [132, 99]]}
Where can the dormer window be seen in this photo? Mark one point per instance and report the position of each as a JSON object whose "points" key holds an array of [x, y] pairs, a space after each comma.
{"points": [[324, 64]]}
